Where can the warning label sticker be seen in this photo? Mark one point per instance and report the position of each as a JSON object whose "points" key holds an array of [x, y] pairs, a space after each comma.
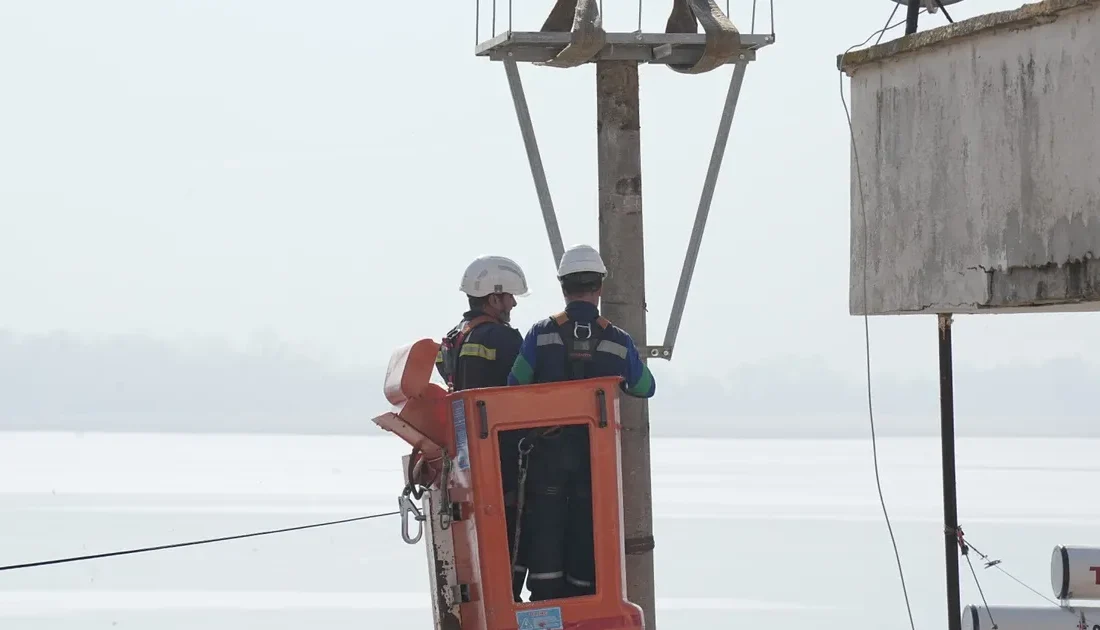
{"points": [[540, 619], [462, 447]]}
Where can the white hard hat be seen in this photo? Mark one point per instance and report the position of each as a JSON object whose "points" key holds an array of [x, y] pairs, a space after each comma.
{"points": [[579, 259], [493, 274]]}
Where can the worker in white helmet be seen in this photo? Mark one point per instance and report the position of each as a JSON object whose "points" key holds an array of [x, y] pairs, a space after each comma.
{"points": [[574, 344], [480, 351]]}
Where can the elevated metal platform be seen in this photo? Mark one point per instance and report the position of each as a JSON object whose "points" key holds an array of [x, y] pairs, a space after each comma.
{"points": [[573, 35], [657, 48]]}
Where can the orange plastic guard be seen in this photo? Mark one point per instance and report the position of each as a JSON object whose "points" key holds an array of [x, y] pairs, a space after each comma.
{"points": [[420, 412], [410, 371], [482, 556]]}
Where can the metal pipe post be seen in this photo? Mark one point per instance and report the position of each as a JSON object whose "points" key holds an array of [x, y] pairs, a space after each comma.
{"points": [[911, 16], [950, 502], [621, 245]]}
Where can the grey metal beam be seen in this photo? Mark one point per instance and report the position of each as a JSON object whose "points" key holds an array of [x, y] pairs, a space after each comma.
{"points": [[527, 130], [514, 39], [656, 55], [701, 214], [654, 48]]}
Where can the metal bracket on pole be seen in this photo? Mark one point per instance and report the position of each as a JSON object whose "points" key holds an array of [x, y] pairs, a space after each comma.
{"points": [[664, 351], [527, 130], [658, 352]]}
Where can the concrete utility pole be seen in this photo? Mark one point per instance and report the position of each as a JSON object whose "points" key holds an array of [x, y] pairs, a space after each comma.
{"points": [[572, 36], [622, 246]]}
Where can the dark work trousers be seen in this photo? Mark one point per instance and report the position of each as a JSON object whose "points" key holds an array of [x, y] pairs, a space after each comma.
{"points": [[580, 553], [509, 475], [559, 517]]}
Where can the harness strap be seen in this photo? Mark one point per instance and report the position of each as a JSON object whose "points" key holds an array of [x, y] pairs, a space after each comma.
{"points": [[561, 318], [579, 350], [471, 325], [453, 345]]}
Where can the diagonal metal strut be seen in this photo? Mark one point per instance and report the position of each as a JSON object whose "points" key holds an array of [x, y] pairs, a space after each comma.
{"points": [[717, 153], [523, 114]]}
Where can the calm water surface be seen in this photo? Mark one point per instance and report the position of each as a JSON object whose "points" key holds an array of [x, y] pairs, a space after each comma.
{"points": [[749, 532]]}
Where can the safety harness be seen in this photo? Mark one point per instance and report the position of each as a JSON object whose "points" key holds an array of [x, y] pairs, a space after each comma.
{"points": [[451, 347], [580, 342]]}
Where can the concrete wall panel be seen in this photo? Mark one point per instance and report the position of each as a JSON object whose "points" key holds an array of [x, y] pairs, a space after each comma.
{"points": [[979, 154]]}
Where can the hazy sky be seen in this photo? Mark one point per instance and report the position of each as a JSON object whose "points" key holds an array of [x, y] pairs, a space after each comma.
{"points": [[317, 173]]}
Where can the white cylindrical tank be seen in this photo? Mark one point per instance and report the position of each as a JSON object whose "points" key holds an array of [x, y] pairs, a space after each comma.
{"points": [[1075, 572], [1030, 618]]}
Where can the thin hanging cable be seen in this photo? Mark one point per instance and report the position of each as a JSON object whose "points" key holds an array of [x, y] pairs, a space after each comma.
{"points": [[640, 15], [477, 22], [509, 16], [883, 32], [207, 541], [752, 24], [978, 583], [867, 332], [494, 18], [771, 11]]}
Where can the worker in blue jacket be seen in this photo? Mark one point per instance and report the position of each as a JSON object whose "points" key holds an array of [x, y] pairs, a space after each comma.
{"points": [[577, 343], [480, 351]]}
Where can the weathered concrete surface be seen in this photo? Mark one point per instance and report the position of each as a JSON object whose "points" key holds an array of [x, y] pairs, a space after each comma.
{"points": [[979, 150]]}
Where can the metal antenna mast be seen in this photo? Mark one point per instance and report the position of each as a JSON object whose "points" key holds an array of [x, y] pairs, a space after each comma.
{"points": [[573, 35]]}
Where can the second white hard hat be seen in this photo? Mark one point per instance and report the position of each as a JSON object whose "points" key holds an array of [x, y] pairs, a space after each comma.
{"points": [[487, 275], [580, 259]]}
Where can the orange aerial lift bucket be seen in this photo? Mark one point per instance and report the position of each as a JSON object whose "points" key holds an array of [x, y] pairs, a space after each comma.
{"points": [[457, 456]]}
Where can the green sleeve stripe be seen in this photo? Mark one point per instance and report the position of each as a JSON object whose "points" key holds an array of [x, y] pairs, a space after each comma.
{"points": [[642, 387], [522, 371]]}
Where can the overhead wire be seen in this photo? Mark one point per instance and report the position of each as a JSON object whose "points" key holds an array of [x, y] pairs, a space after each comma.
{"points": [[206, 541], [867, 323]]}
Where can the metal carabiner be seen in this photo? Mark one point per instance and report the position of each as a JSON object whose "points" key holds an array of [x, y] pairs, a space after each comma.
{"points": [[406, 506]]}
